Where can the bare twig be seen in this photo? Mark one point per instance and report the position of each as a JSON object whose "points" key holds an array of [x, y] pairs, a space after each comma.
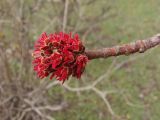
{"points": [[65, 14], [77, 89], [104, 99]]}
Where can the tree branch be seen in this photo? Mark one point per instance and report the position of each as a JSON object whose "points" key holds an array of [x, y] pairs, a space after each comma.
{"points": [[125, 49]]}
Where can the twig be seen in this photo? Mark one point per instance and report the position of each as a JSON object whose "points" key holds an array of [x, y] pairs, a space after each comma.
{"points": [[5, 21], [65, 14], [51, 84], [77, 89], [126, 49], [36, 7], [104, 99], [37, 109], [128, 102], [106, 74]]}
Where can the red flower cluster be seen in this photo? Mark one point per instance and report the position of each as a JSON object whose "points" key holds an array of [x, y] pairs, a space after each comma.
{"points": [[59, 55]]}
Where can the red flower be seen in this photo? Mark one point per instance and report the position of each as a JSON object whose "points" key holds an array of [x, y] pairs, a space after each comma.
{"points": [[81, 62], [59, 55]]}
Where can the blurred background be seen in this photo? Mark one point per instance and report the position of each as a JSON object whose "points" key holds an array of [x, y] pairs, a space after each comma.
{"points": [[121, 88]]}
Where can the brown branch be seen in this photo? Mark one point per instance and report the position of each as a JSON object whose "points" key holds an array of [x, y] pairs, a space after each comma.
{"points": [[126, 49]]}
